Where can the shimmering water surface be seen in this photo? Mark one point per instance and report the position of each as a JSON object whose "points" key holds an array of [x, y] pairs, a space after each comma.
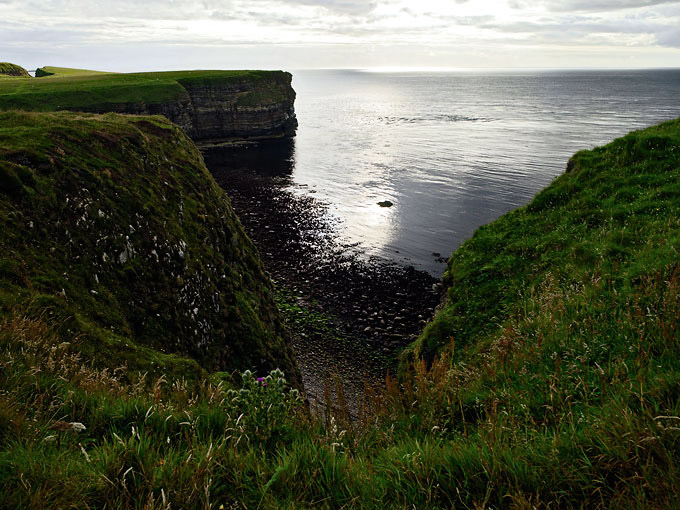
{"points": [[454, 150]]}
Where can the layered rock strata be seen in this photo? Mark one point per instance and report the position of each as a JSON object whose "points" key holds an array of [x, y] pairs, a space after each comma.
{"points": [[217, 111], [212, 107]]}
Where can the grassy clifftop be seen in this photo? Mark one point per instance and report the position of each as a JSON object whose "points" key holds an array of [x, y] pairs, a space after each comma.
{"points": [[608, 224], [73, 89], [13, 70], [42, 72], [211, 107], [114, 228]]}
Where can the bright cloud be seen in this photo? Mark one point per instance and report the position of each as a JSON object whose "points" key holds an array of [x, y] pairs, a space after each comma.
{"points": [[341, 33]]}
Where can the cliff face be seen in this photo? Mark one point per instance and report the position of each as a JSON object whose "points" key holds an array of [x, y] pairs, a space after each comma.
{"points": [[244, 109], [210, 106], [113, 226], [211, 111]]}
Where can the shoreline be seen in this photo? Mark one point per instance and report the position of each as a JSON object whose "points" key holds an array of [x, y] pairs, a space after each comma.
{"points": [[372, 309]]}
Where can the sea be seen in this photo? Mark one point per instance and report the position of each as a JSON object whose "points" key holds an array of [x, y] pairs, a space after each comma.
{"points": [[453, 150]]}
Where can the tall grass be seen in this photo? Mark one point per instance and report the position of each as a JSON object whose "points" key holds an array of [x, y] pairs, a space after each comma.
{"points": [[566, 395], [567, 407]]}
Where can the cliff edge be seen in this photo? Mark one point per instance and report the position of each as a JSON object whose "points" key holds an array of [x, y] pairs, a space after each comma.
{"points": [[112, 227], [606, 230], [212, 107]]}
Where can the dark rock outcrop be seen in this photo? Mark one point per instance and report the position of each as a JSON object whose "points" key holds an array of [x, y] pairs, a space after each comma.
{"points": [[244, 109]]}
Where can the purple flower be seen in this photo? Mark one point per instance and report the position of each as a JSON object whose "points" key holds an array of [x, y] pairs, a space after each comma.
{"points": [[261, 381]]}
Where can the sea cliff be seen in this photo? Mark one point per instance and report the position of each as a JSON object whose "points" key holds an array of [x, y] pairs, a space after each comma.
{"points": [[607, 227], [112, 227], [212, 107]]}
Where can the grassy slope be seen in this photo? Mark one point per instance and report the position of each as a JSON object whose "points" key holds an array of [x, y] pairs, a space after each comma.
{"points": [[12, 70], [612, 215], [113, 226], [42, 72], [72, 89], [562, 390]]}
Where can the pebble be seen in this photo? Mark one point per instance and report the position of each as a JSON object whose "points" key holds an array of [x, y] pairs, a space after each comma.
{"points": [[300, 248]]}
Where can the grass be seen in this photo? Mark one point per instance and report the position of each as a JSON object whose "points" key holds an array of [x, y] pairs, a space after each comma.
{"points": [[560, 390], [64, 71], [612, 215], [12, 70], [76, 89], [113, 226]]}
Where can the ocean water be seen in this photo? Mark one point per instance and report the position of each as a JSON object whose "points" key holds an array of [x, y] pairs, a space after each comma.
{"points": [[453, 150]]}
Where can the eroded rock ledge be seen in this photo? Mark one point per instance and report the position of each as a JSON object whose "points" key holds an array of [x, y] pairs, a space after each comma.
{"points": [[212, 110]]}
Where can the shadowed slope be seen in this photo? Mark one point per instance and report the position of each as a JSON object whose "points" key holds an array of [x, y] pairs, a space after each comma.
{"points": [[113, 224]]}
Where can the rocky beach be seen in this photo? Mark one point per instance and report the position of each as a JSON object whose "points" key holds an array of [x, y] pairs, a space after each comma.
{"points": [[371, 308]]}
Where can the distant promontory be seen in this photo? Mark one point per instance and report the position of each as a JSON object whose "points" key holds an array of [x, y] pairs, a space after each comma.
{"points": [[212, 107]]}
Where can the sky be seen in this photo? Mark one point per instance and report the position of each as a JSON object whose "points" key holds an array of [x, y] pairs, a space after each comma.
{"points": [[127, 35]]}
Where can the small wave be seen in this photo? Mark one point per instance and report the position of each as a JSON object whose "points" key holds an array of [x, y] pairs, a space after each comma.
{"points": [[439, 117]]}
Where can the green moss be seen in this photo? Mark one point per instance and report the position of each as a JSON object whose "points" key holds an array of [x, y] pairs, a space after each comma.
{"points": [[10, 183], [114, 225]]}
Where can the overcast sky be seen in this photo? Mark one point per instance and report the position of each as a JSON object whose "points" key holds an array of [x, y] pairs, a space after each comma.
{"points": [[126, 35]]}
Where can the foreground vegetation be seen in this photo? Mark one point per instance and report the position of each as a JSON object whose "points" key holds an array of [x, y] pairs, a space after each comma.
{"points": [[551, 380]]}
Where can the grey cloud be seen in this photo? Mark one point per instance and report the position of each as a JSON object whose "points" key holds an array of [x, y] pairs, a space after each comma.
{"points": [[588, 5], [471, 21], [50, 38], [669, 38], [73, 21], [124, 9], [359, 31], [355, 7], [580, 25], [190, 9], [263, 19]]}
